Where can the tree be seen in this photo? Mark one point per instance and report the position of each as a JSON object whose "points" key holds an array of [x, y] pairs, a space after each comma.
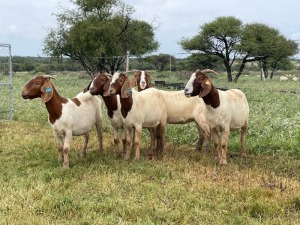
{"points": [[160, 61], [283, 50], [229, 39], [28, 66], [219, 38], [196, 61], [98, 34]]}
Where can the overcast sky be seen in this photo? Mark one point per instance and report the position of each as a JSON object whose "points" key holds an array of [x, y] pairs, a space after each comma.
{"points": [[24, 24]]}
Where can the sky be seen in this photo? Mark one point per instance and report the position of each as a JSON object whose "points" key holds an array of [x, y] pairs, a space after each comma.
{"points": [[25, 24]]}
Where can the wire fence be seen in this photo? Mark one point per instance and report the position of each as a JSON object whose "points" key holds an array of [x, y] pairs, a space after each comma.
{"points": [[6, 90]]}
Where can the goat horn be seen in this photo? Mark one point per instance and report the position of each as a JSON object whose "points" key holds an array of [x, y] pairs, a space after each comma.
{"points": [[209, 71], [49, 76], [108, 74]]}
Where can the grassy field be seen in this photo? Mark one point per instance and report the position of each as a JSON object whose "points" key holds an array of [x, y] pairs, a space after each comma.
{"points": [[185, 187]]}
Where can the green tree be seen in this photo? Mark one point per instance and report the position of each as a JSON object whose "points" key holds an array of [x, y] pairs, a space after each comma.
{"points": [[265, 44], [282, 52], [160, 61], [229, 39], [220, 38], [196, 61], [98, 34], [28, 66]]}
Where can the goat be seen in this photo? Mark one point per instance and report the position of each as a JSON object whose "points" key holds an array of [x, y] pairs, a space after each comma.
{"points": [[224, 111], [99, 86], [142, 79], [67, 117], [139, 109], [180, 109], [283, 78]]}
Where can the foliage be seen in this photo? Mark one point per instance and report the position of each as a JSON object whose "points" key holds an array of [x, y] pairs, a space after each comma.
{"points": [[229, 39], [219, 38], [43, 64], [98, 34], [160, 61], [266, 45], [196, 61]]}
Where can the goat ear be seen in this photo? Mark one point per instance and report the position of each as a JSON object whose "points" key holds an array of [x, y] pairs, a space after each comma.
{"points": [[47, 90], [206, 87], [126, 89], [150, 83], [133, 82], [106, 88], [87, 87]]}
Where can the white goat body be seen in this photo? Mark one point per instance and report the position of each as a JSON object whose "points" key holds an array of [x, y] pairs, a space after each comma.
{"points": [[78, 119], [183, 110], [232, 112], [180, 110]]}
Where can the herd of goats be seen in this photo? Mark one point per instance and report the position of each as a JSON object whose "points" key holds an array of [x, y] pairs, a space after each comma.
{"points": [[133, 104]]}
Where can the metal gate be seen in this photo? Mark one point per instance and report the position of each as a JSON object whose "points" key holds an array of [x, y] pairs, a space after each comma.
{"points": [[6, 90]]}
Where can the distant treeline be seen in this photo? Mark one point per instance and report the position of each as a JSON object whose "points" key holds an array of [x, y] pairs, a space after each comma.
{"points": [[48, 64], [43, 64]]}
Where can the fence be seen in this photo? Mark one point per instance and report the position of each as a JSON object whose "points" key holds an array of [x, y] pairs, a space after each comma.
{"points": [[6, 90]]}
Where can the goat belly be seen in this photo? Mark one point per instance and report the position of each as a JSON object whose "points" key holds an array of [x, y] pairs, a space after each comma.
{"points": [[82, 127]]}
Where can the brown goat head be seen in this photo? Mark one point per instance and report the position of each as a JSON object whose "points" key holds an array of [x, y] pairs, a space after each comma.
{"points": [[100, 85], [38, 87], [142, 79]]}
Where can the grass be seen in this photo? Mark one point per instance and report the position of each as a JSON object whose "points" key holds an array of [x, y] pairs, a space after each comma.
{"points": [[185, 187]]}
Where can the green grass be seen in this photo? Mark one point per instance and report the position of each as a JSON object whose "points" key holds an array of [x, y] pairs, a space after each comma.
{"points": [[185, 187]]}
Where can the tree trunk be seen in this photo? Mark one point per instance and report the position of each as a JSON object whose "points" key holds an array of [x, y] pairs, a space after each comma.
{"points": [[262, 74], [228, 70], [242, 66]]}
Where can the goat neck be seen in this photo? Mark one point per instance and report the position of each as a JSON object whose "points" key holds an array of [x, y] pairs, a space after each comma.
{"points": [[212, 98], [111, 104], [54, 106], [126, 105], [120, 85]]}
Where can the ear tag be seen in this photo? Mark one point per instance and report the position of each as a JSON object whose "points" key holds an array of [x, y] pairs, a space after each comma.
{"points": [[48, 89], [128, 91]]}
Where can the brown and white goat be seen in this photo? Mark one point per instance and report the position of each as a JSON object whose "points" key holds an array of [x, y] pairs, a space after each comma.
{"points": [[67, 117], [224, 111], [180, 110], [139, 109], [99, 86]]}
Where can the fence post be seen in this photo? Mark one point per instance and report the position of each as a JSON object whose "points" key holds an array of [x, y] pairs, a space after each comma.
{"points": [[127, 61]]}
